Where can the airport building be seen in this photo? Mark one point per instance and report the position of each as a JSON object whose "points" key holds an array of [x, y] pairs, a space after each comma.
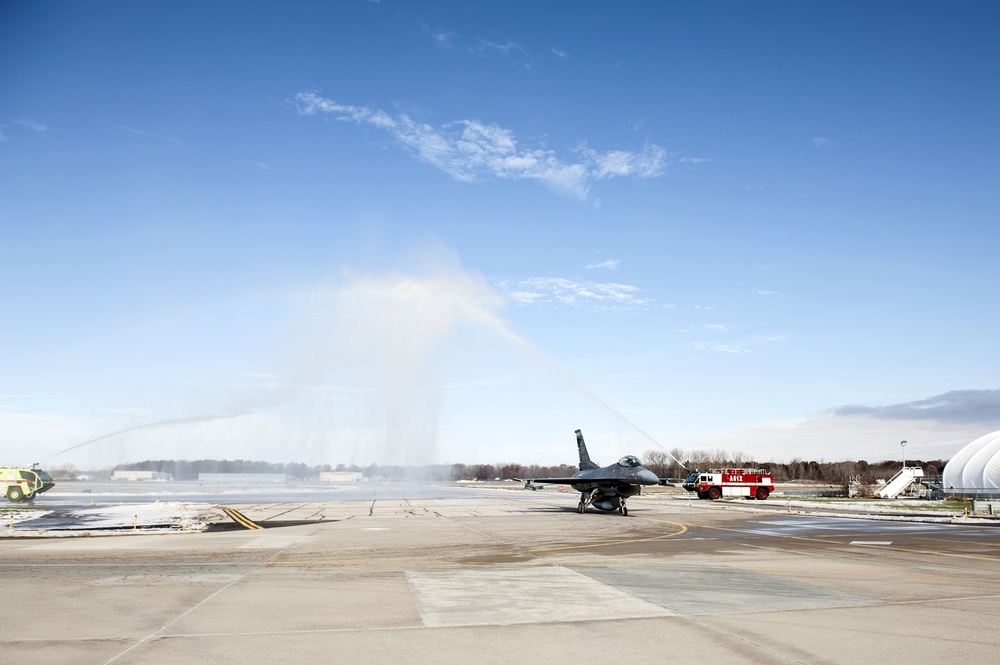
{"points": [[975, 469], [340, 476], [140, 475], [242, 478]]}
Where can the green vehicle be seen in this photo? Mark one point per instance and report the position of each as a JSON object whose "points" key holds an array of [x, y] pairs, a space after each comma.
{"points": [[24, 484]]}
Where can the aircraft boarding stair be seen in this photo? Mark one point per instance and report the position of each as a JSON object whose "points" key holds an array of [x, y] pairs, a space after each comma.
{"points": [[898, 483]]}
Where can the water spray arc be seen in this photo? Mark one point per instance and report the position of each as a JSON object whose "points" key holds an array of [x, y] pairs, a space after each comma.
{"points": [[498, 326], [159, 423]]}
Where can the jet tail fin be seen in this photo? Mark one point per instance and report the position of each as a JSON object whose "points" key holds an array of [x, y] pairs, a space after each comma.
{"points": [[585, 462]]}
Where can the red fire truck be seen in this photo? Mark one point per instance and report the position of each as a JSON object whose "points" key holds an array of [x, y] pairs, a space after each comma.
{"points": [[715, 483]]}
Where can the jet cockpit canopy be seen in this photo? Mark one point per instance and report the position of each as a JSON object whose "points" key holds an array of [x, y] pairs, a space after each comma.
{"points": [[629, 462]]}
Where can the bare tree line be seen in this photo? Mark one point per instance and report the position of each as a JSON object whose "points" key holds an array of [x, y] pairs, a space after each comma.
{"points": [[666, 465], [676, 463]]}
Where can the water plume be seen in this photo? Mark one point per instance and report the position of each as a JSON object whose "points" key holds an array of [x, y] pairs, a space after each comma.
{"points": [[387, 332], [359, 379], [135, 428]]}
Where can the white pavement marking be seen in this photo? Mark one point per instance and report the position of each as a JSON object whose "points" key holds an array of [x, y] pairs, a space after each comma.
{"points": [[871, 542], [507, 596]]}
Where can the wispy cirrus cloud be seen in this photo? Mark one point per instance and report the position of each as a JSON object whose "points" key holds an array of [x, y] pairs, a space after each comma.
{"points": [[470, 150], [693, 160], [559, 53], [506, 48], [610, 264], [31, 124], [140, 132], [738, 347], [585, 295], [715, 347], [442, 38], [822, 141]]}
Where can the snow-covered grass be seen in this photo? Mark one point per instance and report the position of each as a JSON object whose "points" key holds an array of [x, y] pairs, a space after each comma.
{"points": [[142, 517]]}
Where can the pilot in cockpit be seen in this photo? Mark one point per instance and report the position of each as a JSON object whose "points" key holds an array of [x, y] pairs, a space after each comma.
{"points": [[629, 461]]}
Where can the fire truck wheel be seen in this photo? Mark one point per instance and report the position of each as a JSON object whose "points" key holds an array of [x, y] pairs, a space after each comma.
{"points": [[762, 493], [15, 494], [714, 493]]}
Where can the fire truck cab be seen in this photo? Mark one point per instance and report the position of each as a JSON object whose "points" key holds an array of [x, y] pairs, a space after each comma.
{"points": [[717, 483], [22, 484]]}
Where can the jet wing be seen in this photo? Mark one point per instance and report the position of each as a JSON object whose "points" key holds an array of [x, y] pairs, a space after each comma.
{"points": [[587, 480]]}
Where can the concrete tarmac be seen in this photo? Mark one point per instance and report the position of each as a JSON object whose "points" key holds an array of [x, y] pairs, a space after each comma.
{"points": [[509, 576]]}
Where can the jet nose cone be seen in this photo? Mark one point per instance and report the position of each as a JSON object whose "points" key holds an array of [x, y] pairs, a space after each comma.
{"points": [[647, 477]]}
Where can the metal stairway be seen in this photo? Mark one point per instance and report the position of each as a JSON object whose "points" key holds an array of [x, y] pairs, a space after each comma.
{"points": [[898, 483]]}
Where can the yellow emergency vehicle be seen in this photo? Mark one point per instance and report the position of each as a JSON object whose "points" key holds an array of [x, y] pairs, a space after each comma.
{"points": [[24, 484]]}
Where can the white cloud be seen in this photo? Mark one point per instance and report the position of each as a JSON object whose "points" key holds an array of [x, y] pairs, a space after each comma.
{"points": [[610, 264], [719, 348], [148, 134], [261, 165], [615, 163], [506, 48], [871, 433], [585, 295], [469, 150], [822, 141], [738, 347], [443, 39], [765, 292], [559, 52], [31, 124], [972, 406]]}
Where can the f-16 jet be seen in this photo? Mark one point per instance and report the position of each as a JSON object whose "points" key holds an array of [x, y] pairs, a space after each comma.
{"points": [[604, 488]]}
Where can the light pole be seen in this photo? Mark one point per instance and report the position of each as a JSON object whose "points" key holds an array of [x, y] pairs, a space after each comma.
{"points": [[902, 444]]}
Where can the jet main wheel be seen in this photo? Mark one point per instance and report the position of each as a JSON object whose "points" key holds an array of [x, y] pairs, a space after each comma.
{"points": [[580, 508]]}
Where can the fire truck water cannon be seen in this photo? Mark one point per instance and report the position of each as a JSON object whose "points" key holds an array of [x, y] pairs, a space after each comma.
{"points": [[717, 483]]}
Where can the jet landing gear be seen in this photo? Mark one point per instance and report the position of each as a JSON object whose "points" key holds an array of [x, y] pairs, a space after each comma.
{"points": [[604, 502]]}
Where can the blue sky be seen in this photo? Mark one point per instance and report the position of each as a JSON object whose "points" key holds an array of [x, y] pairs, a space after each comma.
{"points": [[400, 232]]}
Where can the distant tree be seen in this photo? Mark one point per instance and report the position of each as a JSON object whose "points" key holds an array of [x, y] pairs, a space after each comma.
{"points": [[656, 461], [509, 471], [484, 472]]}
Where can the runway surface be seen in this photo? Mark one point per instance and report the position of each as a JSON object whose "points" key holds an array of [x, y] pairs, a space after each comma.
{"points": [[493, 577]]}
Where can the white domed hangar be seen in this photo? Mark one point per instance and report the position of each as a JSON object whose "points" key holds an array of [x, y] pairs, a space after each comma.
{"points": [[975, 469]]}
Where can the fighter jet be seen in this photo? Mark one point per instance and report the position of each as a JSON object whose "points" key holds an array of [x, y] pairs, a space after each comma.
{"points": [[604, 488]]}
